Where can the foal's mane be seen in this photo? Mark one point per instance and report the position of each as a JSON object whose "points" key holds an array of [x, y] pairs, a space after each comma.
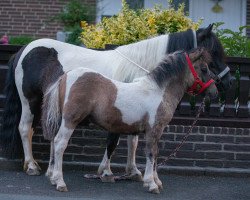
{"points": [[174, 64], [171, 66]]}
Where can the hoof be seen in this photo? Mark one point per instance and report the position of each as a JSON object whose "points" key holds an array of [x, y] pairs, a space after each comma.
{"points": [[107, 179], [33, 172], [154, 191], [62, 188], [160, 187]]}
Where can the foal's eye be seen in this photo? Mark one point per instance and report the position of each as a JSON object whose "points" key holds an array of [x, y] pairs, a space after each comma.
{"points": [[204, 69]]}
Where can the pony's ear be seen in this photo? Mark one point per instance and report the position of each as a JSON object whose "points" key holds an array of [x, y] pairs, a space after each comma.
{"points": [[205, 32]]}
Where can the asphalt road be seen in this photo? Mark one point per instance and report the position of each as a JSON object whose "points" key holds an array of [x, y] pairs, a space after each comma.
{"points": [[19, 186]]}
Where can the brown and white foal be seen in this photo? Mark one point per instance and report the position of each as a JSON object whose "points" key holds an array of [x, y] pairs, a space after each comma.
{"points": [[146, 105]]}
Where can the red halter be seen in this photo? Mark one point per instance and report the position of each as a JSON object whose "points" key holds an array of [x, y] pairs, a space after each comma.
{"points": [[194, 90]]}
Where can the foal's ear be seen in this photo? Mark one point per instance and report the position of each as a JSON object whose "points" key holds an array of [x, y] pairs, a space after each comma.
{"points": [[196, 54], [205, 32]]}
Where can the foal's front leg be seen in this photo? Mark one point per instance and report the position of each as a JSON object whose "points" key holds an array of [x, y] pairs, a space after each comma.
{"points": [[150, 178]]}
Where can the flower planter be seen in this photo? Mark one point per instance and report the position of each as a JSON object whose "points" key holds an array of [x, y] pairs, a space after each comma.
{"points": [[7, 50]]}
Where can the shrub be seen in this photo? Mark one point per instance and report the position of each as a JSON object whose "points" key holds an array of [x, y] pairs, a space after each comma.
{"points": [[234, 42], [71, 17], [20, 40], [130, 26]]}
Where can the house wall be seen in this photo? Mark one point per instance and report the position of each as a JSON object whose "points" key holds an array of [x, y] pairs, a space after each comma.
{"points": [[248, 17], [31, 18], [234, 12]]}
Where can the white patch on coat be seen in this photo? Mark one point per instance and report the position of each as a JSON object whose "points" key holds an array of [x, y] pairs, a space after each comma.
{"points": [[137, 99]]}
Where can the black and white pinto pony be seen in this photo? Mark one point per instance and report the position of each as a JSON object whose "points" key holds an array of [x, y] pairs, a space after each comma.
{"points": [[31, 73], [146, 105]]}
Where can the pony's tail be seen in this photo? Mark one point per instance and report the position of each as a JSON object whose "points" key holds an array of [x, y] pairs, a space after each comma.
{"points": [[51, 114], [10, 140]]}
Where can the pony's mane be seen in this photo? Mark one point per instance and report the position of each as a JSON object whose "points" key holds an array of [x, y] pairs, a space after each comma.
{"points": [[181, 41], [171, 66], [146, 53]]}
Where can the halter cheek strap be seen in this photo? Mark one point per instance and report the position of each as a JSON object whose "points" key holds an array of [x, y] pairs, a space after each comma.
{"points": [[198, 86]]}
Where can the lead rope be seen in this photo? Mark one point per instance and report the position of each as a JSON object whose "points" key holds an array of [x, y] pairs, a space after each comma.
{"points": [[173, 153], [131, 60]]}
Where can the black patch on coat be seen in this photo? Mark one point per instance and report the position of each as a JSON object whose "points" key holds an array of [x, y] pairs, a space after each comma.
{"points": [[180, 41], [41, 68]]}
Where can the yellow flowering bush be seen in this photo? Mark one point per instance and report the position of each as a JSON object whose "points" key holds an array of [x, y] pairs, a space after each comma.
{"points": [[131, 26]]}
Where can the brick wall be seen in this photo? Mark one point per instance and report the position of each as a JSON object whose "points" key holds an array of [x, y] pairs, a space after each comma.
{"points": [[216, 147], [31, 18]]}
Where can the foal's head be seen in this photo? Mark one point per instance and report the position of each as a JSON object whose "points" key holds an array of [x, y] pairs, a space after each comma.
{"points": [[200, 59]]}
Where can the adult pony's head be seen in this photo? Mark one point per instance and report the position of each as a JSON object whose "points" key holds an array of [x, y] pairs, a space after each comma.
{"points": [[204, 37]]}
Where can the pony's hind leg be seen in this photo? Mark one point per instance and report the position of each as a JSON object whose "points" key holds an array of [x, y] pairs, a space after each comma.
{"points": [[104, 168], [49, 171], [132, 171], [25, 128]]}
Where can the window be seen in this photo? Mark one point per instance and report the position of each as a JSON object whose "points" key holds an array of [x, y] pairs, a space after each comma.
{"points": [[177, 2], [135, 4]]}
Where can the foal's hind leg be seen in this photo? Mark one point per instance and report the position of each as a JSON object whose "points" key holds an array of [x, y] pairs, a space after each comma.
{"points": [[25, 128], [104, 168], [132, 172], [61, 141]]}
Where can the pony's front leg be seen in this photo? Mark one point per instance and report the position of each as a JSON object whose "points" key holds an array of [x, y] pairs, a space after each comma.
{"points": [[104, 168], [50, 169], [60, 142], [152, 138], [132, 172], [26, 132]]}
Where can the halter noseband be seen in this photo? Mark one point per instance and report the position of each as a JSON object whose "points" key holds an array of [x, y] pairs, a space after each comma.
{"points": [[198, 86], [217, 78]]}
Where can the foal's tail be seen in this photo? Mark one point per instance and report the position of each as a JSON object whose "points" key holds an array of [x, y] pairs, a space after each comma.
{"points": [[10, 140], [51, 114]]}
